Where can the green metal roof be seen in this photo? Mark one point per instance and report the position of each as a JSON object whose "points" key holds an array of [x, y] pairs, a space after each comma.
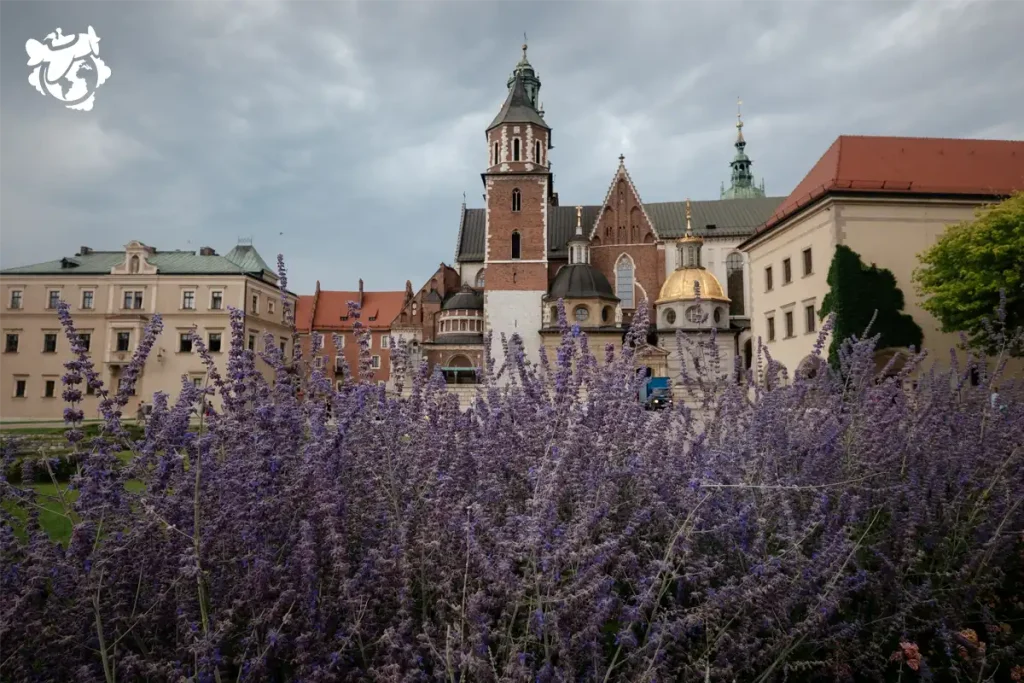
{"points": [[242, 260]]}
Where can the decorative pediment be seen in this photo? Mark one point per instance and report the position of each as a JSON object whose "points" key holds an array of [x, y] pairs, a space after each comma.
{"points": [[135, 260]]}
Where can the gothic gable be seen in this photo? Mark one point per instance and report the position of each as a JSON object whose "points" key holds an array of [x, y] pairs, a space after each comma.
{"points": [[623, 219]]}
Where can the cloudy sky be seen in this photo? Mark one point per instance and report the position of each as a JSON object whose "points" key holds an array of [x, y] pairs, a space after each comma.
{"points": [[344, 135]]}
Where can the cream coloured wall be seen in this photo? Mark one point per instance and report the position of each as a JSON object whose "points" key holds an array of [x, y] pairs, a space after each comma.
{"points": [[166, 364], [889, 232], [814, 231]]}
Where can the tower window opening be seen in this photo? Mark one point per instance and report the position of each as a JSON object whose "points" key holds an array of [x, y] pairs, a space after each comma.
{"points": [[515, 150], [517, 200], [536, 151], [516, 245], [496, 157]]}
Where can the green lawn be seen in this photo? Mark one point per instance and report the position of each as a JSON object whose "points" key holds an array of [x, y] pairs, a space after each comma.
{"points": [[51, 515]]}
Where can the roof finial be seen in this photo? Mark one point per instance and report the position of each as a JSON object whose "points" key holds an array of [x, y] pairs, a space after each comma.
{"points": [[689, 228], [579, 220], [524, 44], [622, 158], [739, 120]]}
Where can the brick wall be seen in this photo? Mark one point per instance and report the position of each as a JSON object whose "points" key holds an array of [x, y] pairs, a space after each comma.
{"points": [[623, 228], [529, 222]]}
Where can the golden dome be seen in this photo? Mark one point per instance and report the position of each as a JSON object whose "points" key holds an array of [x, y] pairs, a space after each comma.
{"points": [[680, 286]]}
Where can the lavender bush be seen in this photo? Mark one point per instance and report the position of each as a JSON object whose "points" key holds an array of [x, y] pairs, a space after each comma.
{"points": [[849, 526]]}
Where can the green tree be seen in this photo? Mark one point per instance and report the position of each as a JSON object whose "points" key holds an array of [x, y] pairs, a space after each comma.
{"points": [[961, 276], [856, 292]]}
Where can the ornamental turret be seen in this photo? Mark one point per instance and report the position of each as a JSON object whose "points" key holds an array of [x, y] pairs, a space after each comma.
{"points": [[742, 186]]}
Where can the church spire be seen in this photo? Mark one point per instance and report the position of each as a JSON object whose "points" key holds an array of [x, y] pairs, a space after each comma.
{"points": [[531, 82], [742, 185]]}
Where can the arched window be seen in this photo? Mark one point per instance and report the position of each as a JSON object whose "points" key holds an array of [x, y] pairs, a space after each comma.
{"points": [[624, 281], [517, 200], [515, 150], [133, 264], [734, 283], [536, 151], [496, 158], [480, 278], [516, 245]]}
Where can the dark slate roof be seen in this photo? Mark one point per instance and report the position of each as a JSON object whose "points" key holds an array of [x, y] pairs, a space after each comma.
{"points": [[467, 298], [243, 259], [518, 108], [731, 218], [580, 281]]}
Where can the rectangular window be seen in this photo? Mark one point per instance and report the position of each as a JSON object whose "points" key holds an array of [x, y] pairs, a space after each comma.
{"points": [[123, 340], [270, 306], [188, 300], [86, 340], [339, 386], [133, 300], [15, 298], [20, 387], [340, 341], [787, 271], [385, 341], [771, 329], [11, 344], [339, 363], [375, 362], [185, 342], [87, 298], [53, 300], [214, 342], [517, 245], [255, 304], [808, 263], [252, 342], [768, 284], [197, 382], [789, 324], [216, 301], [811, 318], [284, 345], [50, 342], [90, 390], [50, 388]]}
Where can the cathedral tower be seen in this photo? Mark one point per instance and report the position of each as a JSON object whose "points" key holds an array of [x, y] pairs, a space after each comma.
{"points": [[518, 186], [742, 186]]}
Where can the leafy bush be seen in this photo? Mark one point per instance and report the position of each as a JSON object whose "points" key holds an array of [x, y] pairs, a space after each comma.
{"points": [[830, 529]]}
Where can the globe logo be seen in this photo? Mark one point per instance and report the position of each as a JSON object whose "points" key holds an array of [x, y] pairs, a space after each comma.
{"points": [[68, 68]]}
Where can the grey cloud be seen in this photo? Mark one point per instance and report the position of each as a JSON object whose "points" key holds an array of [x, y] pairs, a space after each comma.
{"points": [[354, 129]]}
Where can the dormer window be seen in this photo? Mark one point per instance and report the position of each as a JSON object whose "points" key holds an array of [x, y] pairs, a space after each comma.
{"points": [[517, 200], [515, 150], [516, 245], [133, 264]]}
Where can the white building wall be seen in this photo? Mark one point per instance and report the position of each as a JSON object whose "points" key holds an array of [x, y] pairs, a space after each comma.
{"points": [[514, 312]]}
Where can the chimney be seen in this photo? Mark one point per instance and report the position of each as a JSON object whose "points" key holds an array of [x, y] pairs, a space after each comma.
{"points": [[360, 292], [207, 251], [84, 251]]}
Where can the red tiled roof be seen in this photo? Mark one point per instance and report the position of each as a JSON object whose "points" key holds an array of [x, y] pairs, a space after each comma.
{"points": [[382, 307], [938, 166]]}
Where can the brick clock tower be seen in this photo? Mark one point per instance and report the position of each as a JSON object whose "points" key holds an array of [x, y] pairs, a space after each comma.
{"points": [[518, 185]]}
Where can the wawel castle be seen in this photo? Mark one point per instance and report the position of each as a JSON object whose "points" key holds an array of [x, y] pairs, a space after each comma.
{"points": [[748, 265]]}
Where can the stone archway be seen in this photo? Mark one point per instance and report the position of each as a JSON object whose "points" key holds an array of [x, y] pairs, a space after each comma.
{"points": [[459, 369]]}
